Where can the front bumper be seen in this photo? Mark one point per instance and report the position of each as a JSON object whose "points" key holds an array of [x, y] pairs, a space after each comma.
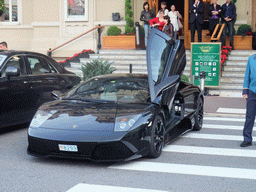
{"points": [[96, 151]]}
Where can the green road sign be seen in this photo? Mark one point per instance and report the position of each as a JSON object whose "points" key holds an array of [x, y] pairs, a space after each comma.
{"points": [[206, 57]]}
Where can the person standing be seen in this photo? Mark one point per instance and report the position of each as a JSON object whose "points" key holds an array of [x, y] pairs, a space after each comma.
{"points": [[158, 21], [168, 27], [214, 15], [228, 18], [146, 15], [174, 17], [249, 94], [196, 19], [3, 46], [163, 8]]}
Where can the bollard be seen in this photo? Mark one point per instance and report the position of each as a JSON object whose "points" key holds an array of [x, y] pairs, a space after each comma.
{"points": [[202, 80], [137, 26], [130, 68]]}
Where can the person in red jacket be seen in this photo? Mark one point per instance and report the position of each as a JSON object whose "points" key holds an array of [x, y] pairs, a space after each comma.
{"points": [[158, 21]]}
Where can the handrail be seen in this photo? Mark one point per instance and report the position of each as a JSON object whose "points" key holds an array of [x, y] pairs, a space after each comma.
{"points": [[49, 52], [213, 38]]}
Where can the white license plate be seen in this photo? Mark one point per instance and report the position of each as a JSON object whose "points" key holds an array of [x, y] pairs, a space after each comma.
{"points": [[72, 148]]}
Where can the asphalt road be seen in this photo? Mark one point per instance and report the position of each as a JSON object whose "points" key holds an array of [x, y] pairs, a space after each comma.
{"points": [[209, 160]]}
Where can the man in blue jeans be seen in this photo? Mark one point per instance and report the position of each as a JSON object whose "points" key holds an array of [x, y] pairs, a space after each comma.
{"points": [[228, 11], [249, 94]]}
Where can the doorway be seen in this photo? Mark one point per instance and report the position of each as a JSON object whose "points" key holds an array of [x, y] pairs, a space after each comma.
{"points": [[178, 4]]}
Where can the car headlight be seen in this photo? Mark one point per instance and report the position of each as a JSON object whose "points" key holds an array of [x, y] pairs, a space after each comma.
{"points": [[124, 123], [40, 117]]}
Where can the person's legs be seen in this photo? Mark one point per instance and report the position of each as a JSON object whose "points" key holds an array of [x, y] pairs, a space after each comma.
{"points": [[231, 33], [146, 29], [250, 116], [199, 30], [192, 28], [223, 36], [175, 35]]}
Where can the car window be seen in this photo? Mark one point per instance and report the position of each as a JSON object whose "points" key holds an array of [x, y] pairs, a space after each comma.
{"points": [[15, 61], [38, 66], [121, 90], [159, 54], [2, 58]]}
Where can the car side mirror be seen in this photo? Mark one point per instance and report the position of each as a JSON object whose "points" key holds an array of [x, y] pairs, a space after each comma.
{"points": [[12, 72], [57, 94]]}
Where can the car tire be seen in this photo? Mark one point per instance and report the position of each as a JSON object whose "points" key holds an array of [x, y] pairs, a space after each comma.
{"points": [[199, 115], [157, 137]]}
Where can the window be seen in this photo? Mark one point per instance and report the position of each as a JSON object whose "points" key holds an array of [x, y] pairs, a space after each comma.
{"points": [[11, 13], [15, 61], [76, 10], [38, 66]]}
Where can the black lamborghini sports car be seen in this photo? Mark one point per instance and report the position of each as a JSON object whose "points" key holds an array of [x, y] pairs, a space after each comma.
{"points": [[122, 116]]}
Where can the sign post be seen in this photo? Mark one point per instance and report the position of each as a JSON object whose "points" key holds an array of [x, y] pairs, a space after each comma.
{"points": [[206, 57]]}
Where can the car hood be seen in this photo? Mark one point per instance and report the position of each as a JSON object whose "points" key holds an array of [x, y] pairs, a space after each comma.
{"points": [[84, 116]]}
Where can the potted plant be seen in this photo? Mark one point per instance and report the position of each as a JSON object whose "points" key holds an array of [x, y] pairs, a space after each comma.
{"points": [[116, 40], [2, 7], [243, 38]]}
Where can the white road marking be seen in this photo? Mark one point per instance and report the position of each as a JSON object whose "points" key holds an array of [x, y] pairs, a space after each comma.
{"points": [[81, 187], [237, 173], [225, 127], [210, 151], [231, 110], [224, 119], [213, 136]]}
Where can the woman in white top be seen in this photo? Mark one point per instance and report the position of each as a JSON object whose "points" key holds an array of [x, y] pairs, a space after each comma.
{"points": [[174, 16], [163, 8]]}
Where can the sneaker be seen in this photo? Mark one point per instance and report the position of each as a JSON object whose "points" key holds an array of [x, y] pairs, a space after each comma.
{"points": [[245, 144]]}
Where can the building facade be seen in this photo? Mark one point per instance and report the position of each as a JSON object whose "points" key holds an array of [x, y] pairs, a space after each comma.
{"points": [[39, 25]]}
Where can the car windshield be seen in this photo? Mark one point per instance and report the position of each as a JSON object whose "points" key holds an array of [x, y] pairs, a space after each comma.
{"points": [[127, 90], [2, 58]]}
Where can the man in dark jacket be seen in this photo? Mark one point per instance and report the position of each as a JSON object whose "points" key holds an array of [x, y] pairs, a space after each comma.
{"points": [[196, 19], [228, 17]]}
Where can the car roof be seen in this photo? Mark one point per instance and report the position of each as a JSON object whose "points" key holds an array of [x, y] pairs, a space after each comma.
{"points": [[15, 52]]}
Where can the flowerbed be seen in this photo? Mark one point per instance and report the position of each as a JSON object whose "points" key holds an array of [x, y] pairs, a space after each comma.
{"points": [[224, 53], [76, 57]]}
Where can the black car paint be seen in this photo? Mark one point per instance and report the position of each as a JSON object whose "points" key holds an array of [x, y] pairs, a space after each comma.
{"points": [[169, 92], [21, 96]]}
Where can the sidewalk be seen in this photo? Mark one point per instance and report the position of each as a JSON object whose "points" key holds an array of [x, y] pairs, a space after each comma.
{"points": [[224, 106]]}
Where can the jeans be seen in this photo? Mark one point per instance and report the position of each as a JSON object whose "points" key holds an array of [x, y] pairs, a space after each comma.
{"points": [[229, 26], [147, 30], [175, 35], [250, 116]]}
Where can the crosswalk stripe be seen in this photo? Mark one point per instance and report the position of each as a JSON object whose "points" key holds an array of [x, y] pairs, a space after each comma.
{"points": [[224, 119], [213, 136], [237, 173], [82, 187], [210, 151], [231, 110], [225, 127]]}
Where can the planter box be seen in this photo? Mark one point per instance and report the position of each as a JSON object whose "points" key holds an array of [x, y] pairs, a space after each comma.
{"points": [[119, 42], [241, 43]]}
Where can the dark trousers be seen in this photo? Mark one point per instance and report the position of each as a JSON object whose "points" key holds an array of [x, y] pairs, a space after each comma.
{"points": [[250, 116], [228, 27], [193, 26]]}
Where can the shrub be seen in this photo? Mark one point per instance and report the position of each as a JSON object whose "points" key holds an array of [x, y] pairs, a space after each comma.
{"points": [[129, 27], [113, 31], [243, 29], [184, 78], [2, 7], [97, 67]]}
